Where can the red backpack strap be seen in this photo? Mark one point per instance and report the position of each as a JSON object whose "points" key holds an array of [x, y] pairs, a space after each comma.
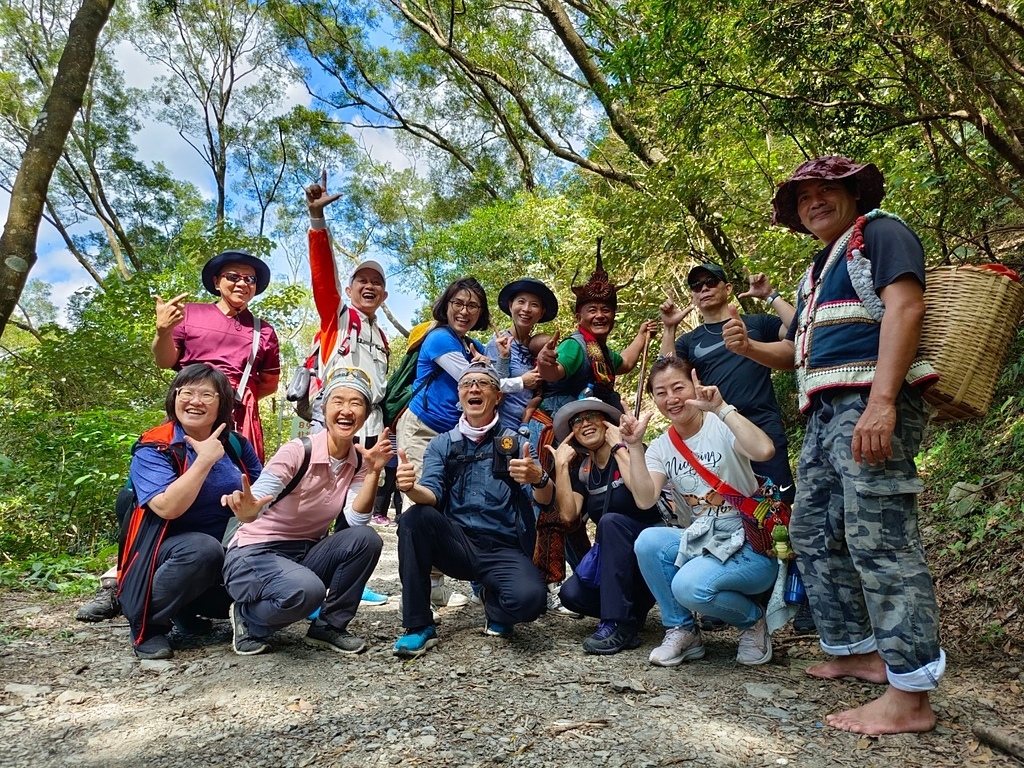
{"points": [[709, 477]]}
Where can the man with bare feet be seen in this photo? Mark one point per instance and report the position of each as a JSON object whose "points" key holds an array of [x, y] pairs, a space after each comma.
{"points": [[855, 350]]}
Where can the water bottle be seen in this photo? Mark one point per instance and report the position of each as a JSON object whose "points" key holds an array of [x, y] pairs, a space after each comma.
{"points": [[795, 592]]}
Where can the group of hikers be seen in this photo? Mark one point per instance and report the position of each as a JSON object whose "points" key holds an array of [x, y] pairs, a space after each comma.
{"points": [[504, 452]]}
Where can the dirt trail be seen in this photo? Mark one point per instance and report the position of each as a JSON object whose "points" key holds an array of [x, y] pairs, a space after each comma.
{"points": [[73, 694]]}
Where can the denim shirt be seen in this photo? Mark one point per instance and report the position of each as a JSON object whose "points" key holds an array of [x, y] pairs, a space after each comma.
{"points": [[469, 493]]}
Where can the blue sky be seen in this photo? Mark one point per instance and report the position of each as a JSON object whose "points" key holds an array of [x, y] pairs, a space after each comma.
{"points": [[157, 142]]}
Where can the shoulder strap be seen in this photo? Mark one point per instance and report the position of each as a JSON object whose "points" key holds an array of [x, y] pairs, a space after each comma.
{"points": [[709, 477], [307, 450], [252, 356]]}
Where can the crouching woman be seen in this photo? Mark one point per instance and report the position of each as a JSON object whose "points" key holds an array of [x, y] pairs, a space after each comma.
{"points": [[281, 566], [170, 555], [708, 567], [592, 480]]}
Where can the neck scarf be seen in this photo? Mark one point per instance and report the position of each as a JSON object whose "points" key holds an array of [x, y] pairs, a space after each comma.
{"points": [[476, 434]]}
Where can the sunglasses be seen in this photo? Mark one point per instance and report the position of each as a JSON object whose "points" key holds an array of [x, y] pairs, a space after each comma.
{"points": [[707, 282], [234, 277], [461, 306], [594, 417]]}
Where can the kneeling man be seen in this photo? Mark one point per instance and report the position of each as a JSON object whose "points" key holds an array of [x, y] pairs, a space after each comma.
{"points": [[472, 518]]}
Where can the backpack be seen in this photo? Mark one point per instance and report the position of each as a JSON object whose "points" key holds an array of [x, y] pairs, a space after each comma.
{"points": [[399, 391]]}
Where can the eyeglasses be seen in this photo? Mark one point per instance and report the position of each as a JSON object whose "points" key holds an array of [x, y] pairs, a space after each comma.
{"points": [[234, 277], [465, 384], [594, 417], [460, 305], [707, 282], [205, 396]]}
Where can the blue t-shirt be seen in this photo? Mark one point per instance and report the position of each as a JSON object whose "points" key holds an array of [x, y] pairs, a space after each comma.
{"points": [[152, 471], [436, 404]]}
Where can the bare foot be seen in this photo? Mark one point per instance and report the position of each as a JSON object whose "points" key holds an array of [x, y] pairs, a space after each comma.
{"points": [[895, 711], [863, 666]]}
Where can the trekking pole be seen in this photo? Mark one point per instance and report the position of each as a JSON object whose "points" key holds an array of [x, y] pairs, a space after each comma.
{"points": [[643, 373]]}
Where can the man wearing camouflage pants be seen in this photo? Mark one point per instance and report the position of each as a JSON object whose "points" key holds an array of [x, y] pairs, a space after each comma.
{"points": [[855, 350]]}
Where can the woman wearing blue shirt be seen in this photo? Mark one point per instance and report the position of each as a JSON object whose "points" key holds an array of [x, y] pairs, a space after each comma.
{"points": [[171, 554]]}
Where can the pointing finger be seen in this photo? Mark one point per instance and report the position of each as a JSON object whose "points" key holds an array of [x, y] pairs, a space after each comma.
{"points": [[217, 432], [323, 180]]}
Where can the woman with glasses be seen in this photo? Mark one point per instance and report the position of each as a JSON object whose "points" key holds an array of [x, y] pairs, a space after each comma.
{"points": [[222, 335], [171, 554], [592, 481], [434, 409]]}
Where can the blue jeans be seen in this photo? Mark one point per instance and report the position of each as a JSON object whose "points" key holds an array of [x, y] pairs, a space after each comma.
{"points": [[703, 584]]}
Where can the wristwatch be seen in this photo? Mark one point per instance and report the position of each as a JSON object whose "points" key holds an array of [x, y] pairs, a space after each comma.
{"points": [[544, 477], [773, 296]]}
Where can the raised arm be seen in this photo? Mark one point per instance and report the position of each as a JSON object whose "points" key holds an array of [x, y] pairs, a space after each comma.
{"points": [[631, 354]]}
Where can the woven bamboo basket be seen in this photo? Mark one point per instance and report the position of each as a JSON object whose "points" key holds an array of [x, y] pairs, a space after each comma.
{"points": [[971, 318]]}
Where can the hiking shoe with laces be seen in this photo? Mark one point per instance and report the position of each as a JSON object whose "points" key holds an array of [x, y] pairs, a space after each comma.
{"points": [[612, 637], [242, 642], [755, 646], [155, 647], [803, 622], [678, 646], [442, 596], [416, 642], [372, 598], [340, 640], [555, 603], [104, 605]]}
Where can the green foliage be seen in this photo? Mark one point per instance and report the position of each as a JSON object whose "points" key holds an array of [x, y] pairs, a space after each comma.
{"points": [[65, 574], [984, 453], [61, 472]]}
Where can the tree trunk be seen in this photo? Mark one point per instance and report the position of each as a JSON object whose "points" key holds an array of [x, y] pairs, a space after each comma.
{"points": [[18, 242]]}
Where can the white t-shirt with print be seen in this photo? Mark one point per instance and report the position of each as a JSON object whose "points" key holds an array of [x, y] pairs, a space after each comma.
{"points": [[713, 445]]}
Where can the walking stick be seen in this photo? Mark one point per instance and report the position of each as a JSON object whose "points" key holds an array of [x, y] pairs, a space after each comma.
{"points": [[643, 373]]}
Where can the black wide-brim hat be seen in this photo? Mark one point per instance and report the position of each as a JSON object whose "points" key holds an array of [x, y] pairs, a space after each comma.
{"points": [[531, 286], [214, 266], [870, 185], [567, 411]]}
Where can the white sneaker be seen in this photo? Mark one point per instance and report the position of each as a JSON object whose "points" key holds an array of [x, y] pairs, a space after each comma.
{"points": [[442, 596], [555, 603], [678, 646], [755, 646]]}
